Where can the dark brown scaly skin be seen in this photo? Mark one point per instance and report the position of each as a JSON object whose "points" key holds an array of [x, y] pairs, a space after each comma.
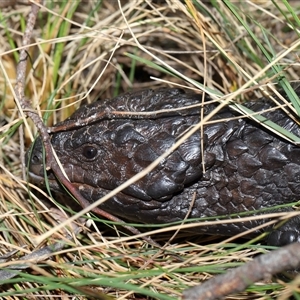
{"points": [[247, 167]]}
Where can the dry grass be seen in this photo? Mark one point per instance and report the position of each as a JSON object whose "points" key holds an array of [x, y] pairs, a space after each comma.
{"points": [[84, 51]]}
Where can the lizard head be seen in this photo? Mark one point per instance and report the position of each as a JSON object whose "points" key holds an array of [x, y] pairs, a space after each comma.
{"points": [[101, 155]]}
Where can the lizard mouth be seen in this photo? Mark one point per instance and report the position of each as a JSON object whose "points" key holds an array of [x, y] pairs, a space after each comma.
{"points": [[42, 181], [53, 183]]}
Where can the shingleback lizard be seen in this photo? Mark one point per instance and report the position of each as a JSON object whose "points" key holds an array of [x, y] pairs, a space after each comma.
{"points": [[247, 167]]}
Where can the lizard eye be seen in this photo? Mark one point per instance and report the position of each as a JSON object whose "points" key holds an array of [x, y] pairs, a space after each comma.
{"points": [[89, 152]]}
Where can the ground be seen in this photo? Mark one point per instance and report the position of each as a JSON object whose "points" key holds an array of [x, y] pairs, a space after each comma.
{"points": [[91, 50]]}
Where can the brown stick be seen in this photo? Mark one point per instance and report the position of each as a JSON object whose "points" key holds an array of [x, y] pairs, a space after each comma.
{"points": [[114, 114], [237, 280]]}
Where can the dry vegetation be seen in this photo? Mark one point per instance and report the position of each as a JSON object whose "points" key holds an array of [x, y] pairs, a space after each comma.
{"points": [[89, 50]]}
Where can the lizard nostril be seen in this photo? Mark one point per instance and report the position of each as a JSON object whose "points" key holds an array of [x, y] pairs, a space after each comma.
{"points": [[35, 159]]}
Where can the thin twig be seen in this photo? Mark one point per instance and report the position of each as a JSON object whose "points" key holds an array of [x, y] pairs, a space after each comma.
{"points": [[237, 280], [32, 258]]}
